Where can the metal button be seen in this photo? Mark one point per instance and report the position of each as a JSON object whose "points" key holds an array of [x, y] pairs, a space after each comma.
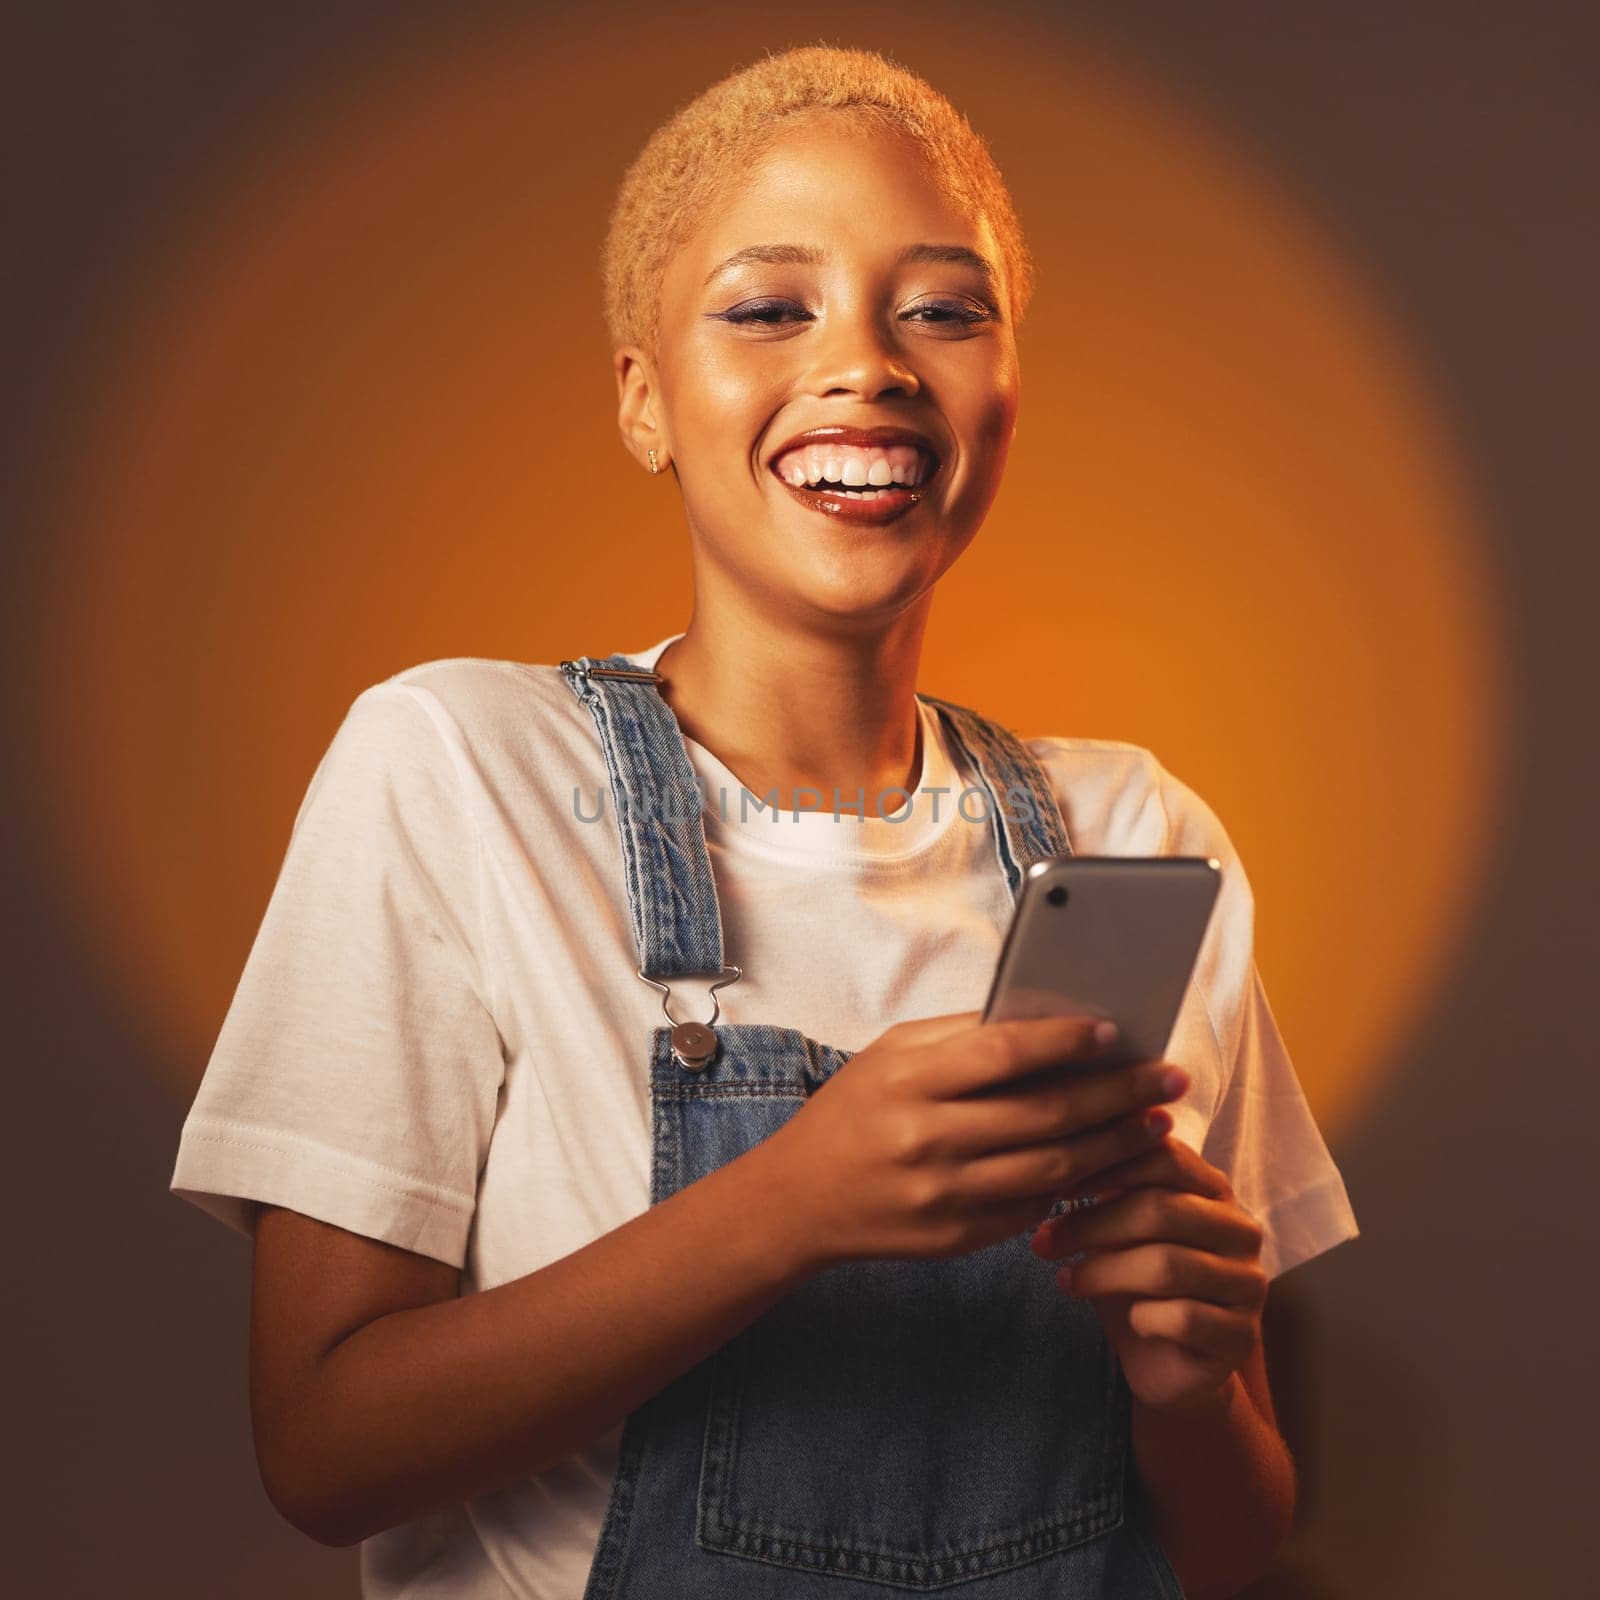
{"points": [[693, 1045]]}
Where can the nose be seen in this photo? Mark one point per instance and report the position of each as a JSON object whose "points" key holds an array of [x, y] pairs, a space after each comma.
{"points": [[855, 357]]}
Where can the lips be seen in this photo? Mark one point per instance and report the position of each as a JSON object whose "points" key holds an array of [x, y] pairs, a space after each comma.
{"points": [[886, 503], [885, 506], [843, 433]]}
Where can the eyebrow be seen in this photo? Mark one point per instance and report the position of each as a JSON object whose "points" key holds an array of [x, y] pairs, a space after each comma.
{"points": [[806, 255]]}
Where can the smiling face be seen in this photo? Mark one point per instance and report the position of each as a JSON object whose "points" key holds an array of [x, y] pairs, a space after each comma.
{"points": [[858, 323]]}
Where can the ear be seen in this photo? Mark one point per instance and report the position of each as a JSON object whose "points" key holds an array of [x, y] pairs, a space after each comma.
{"points": [[637, 411]]}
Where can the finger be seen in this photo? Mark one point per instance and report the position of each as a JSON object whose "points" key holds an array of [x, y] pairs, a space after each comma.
{"points": [[1050, 1111], [1096, 1191], [929, 1030], [1208, 1330], [1148, 1214], [1095, 1195], [1162, 1165], [1176, 1164], [1170, 1166], [997, 1053], [1040, 1170], [1168, 1271]]}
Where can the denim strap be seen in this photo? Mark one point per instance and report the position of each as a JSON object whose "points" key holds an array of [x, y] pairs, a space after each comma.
{"points": [[1022, 806], [672, 897]]}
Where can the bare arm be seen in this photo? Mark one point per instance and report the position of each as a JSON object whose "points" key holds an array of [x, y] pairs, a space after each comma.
{"points": [[378, 1395], [1222, 1483]]}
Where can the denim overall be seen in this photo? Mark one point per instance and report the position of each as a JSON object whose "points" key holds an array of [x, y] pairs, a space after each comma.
{"points": [[944, 1425]]}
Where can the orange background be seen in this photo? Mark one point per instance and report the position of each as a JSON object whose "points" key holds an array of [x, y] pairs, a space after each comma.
{"points": [[358, 413], [341, 402]]}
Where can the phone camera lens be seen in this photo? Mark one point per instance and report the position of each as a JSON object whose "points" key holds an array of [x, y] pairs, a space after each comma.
{"points": [[1056, 896]]}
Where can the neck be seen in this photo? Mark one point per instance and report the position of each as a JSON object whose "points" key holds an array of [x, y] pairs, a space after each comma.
{"points": [[789, 710]]}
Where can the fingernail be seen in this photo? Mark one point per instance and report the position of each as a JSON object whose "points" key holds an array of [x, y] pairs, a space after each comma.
{"points": [[1105, 1032], [1174, 1080]]}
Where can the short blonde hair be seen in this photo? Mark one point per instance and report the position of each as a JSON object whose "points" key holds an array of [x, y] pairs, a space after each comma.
{"points": [[689, 160]]}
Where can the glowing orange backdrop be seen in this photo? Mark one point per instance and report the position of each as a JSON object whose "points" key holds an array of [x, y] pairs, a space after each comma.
{"points": [[355, 411]]}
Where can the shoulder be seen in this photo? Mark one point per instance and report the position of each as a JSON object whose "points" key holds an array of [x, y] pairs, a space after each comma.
{"points": [[439, 731], [472, 711], [478, 691], [1120, 798]]}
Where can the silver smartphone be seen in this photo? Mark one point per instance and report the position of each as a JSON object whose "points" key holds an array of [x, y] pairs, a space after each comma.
{"points": [[1107, 936]]}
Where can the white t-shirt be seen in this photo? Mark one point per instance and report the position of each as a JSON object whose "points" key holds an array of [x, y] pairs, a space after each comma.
{"points": [[440, 1039]]}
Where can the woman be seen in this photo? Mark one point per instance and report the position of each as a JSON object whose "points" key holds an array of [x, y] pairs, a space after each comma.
{"points": [[557, 1296]]}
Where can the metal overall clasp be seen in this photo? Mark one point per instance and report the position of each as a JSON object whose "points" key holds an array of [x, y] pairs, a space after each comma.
{"points": [[627, 674], [694, 1044]]}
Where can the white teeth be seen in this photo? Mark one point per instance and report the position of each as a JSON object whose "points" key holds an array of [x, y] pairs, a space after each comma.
{"points": [[854, 466]]}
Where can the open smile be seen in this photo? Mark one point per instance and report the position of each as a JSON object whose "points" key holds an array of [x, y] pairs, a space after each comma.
{"points": [[852, 476], [846, 503]]}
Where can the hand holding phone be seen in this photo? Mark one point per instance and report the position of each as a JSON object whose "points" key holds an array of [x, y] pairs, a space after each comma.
{"points": [[944, 1136], [1107, 936]]}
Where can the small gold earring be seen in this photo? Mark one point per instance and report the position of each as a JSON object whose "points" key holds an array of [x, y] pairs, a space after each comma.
{"points": [[653, 466]]}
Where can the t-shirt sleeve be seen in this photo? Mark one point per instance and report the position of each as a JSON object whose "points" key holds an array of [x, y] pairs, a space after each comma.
{"points": [[357, 1074], [1262, 1132]]}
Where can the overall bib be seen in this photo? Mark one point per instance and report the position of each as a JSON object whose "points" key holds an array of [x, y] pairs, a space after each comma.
{"points": [[954, 1426]]}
